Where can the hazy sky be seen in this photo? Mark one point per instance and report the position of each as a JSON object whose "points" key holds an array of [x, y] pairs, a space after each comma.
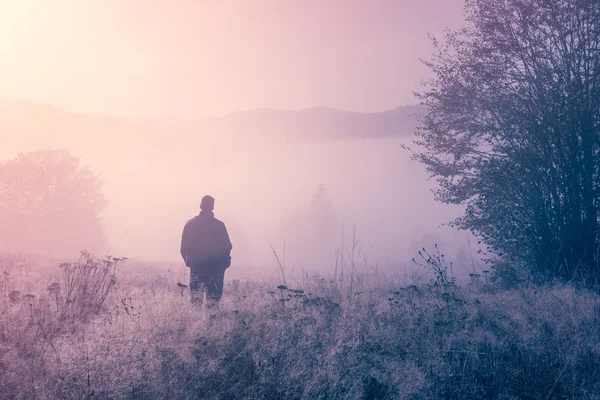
{"points": [[197, 58]]}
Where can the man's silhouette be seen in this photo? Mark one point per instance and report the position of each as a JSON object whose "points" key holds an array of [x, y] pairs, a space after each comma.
{"points": [[205, 248]]}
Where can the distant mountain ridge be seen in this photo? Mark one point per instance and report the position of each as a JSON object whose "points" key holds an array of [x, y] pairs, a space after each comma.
{"points": [[326, 123], [316, 122], [26, 125]]}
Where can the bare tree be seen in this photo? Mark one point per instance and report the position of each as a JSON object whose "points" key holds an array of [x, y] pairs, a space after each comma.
{"points": [[48, 201], [512, 131]]}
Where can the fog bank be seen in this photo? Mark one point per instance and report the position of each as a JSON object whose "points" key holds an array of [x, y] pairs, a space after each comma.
{"points": [[307, 198]]}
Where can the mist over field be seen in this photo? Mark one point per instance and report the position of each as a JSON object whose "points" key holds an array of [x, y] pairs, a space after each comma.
{"points": [[168, 105], [265, 168]]}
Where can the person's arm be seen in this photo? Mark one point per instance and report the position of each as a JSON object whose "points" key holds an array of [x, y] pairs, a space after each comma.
{"points": [[229, 246], [184, 243]]}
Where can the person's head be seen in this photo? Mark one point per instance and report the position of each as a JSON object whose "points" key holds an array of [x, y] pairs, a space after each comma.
{"points": [[207, 203]]}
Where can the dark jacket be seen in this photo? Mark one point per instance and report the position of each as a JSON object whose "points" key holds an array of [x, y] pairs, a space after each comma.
{"points": [[205, 244]]}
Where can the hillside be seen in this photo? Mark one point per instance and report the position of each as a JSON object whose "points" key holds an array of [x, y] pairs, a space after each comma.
{"points": [[25, 125]]}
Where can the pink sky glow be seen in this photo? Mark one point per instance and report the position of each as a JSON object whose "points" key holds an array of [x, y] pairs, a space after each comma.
{"points": [[193, 58]]}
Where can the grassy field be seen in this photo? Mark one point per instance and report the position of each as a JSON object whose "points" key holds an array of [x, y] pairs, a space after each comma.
{"points": [[77, 331]]}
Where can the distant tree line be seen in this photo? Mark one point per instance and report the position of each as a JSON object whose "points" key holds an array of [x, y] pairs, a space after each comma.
{"points": [[512, 131]]}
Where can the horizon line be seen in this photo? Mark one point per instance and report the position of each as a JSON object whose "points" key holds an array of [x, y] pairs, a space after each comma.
{"points": [[166, 117]]}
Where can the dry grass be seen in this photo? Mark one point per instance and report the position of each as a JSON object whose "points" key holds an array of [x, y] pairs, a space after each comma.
{"points": [[141, 339]]}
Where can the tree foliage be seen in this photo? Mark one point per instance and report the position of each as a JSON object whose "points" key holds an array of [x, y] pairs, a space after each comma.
{"points": [[512, 131], [49, 202]]}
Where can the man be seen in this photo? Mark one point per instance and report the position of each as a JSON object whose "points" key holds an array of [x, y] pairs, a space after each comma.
{"points": [[205, 248]]}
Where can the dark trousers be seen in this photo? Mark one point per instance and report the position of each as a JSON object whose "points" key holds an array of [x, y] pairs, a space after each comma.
{"points": [[209, 282]]}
